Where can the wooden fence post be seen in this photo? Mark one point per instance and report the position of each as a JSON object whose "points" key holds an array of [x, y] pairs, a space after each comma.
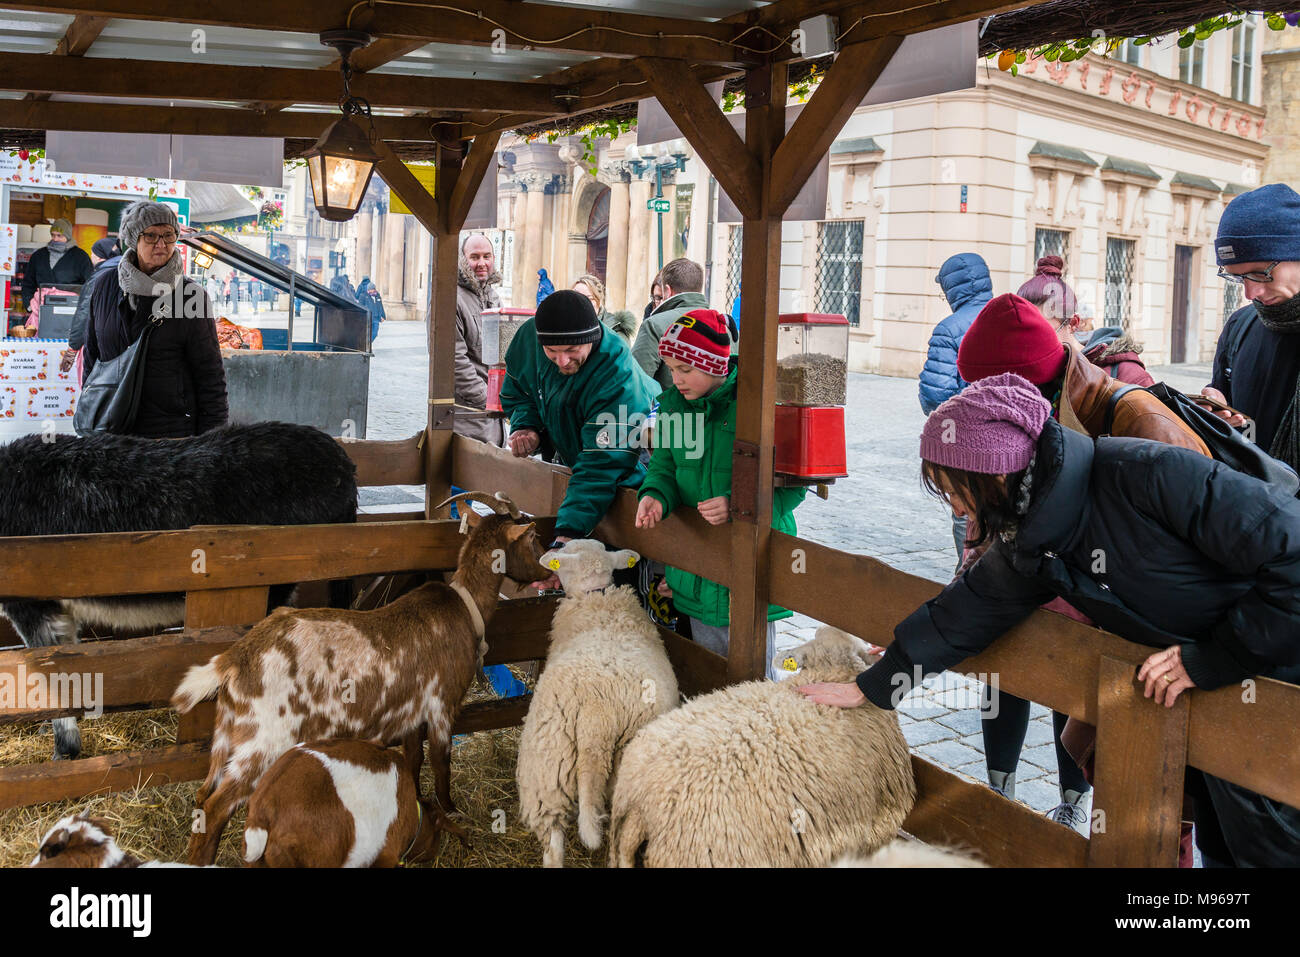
{"points": [[1141, 760], [207, 609]]}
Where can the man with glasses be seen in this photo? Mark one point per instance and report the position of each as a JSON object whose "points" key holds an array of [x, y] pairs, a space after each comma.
{"points": [[1257, 363]]}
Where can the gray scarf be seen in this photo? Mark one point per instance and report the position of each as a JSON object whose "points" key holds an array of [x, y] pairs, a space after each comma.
{"points": [[1283, 318], [56, 251], [135, 283]]}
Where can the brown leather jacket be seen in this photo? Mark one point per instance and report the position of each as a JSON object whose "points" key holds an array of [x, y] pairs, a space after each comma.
{"points": [[1139, 414]]}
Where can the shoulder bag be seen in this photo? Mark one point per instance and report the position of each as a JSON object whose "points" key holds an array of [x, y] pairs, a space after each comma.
{"points": [[110, 396]]}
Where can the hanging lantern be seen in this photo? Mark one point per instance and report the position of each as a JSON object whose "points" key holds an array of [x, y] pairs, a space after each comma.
{"points": [[342, 160]]}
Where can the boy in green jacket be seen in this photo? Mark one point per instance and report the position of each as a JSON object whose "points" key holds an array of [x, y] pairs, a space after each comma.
{"points": [[691, 465]]}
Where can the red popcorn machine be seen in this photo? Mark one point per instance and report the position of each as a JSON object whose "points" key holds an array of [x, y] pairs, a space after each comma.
{"points": [[812, 363], [499, 328]]}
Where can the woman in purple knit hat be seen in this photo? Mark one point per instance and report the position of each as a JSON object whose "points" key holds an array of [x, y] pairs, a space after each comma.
{"points": [[1154, 543]]}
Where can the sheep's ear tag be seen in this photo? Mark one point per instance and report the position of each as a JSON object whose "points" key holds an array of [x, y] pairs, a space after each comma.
{"points": [[631, 562], [554, 565], [789, 664]]}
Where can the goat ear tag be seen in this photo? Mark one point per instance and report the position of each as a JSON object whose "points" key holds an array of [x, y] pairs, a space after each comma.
{"points": [[631, 562], [554, 565], [789, 664]]}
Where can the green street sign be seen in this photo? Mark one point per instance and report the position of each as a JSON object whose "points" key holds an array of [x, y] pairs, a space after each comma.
{"points": [[658, 206]]}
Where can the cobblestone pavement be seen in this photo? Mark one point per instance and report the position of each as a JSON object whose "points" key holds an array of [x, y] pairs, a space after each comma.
{"points": [[880, 510]]}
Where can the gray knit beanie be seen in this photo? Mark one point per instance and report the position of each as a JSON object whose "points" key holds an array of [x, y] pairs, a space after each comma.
{"points": [[142, 214]]}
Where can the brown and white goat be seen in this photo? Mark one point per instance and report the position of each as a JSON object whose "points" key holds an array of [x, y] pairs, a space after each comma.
{"points": [[395, 673], [341, 803], [79, 840]]}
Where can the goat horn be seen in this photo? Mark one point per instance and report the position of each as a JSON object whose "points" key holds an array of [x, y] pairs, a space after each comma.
{"points": [[514, 509], [463, 497]]}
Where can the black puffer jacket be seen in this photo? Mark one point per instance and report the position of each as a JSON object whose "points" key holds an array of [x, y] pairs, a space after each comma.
{"points": [[1194, 554], [185, 382]]}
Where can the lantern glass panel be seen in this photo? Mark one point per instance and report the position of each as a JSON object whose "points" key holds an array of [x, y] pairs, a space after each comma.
{"points": [[314, 169], [345, 181]]}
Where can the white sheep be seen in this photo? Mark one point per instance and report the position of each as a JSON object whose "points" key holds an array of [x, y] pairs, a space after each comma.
{"points": [[911, 854], [756, 775], [606, 677]]}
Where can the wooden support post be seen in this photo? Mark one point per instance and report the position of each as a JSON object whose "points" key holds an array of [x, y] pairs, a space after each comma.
{"points": [[751, 485], [207, 609], [458, 179], [852, 74], [1140, 765]]}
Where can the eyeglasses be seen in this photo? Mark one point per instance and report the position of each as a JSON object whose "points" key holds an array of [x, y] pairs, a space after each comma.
{"points": [[158, 239], [1260, 277]]}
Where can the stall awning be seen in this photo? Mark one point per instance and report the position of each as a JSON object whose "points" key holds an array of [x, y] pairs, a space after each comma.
{"points": [[218, 203]]}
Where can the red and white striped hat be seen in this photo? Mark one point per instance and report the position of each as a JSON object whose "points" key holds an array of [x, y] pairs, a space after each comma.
{"points": [[701, 339]]}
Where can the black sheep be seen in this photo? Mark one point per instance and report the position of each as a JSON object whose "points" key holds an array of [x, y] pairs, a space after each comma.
{"points": [[271, 473]]}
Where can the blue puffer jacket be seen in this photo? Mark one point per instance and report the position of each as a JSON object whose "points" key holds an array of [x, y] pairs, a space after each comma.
{"points": [[965, 281]]}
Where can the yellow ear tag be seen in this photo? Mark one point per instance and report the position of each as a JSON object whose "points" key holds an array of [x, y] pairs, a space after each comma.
{"points": [[555, 565], [789, 664], [631, 562]]}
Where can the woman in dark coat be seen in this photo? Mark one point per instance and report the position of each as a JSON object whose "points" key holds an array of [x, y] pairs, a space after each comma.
{"points": [[60, 263], [184, 380], [1200, 561]]}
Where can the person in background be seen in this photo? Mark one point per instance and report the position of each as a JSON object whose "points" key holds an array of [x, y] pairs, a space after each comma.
{"points": [[1109, 347], [60, 262], [475, 291], [544, 286], [1257, 360], [681, 282], [697, 349], [184, 390], [369, 299], [656, 298], [735, 313], [1011, 336], [104, 254], [622, 322], [966, 285], [1216, 589], [340, 285]]}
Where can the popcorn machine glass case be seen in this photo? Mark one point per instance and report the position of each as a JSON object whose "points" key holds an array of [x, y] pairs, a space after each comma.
{"points": [[811, 388]]}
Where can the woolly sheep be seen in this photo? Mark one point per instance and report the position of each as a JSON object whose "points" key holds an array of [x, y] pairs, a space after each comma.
{"points": [[606, 677], [756, 775], [911, 854]]}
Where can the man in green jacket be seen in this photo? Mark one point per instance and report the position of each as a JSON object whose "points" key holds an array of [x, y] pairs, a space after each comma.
{"points": [[695, 430], [682, 282], [573, 384]]}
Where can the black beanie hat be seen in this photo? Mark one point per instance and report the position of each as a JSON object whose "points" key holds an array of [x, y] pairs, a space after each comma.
{"points": [[566, 318], [105, 248]]}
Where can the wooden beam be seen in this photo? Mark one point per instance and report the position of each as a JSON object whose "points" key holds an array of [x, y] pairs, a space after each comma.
{"points": [[951, 812], [470, 179], [204, 81], [1136, 816], [563, 29], [397, 462], [81, 33], [847, 81], [197, 120], [702, 122], [27, 784], [364, 60], [131, 563]]}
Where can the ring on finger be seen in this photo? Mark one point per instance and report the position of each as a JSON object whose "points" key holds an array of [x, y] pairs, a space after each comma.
{"points": [[1169, 679]]}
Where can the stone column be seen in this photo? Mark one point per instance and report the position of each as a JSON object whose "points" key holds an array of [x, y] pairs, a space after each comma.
{"points": [[639, 268], [376, 240], [548, 231], [616, 251], [669, 221], [531, 258]]}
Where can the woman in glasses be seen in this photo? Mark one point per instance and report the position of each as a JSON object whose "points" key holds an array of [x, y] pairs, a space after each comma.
{"points": [[184, 391], [1257, 363]]}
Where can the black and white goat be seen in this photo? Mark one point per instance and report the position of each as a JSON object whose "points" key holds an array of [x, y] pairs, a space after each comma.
{"points": [[270, 473]]}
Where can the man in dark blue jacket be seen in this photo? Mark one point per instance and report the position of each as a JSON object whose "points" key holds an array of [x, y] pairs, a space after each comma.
{"points": [[965, 282]]}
